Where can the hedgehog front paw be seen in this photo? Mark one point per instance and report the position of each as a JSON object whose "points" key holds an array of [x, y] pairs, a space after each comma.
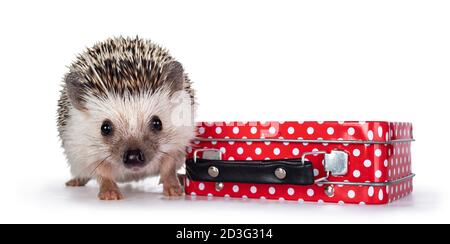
{"points": [[77, 182], [172, 190], [110, 195]]}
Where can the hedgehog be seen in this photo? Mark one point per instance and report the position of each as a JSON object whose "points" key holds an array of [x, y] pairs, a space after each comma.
{"points": [[125, 113]]}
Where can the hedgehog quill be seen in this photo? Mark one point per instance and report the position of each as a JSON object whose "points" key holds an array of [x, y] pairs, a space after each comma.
{"points": [[125, 113]]}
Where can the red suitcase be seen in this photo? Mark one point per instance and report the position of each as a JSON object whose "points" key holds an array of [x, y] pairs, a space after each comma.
{"points": [[339, 162]]}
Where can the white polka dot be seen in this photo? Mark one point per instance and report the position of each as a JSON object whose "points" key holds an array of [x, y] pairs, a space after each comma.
{"points": [[253, 130], [291, 130], [249, 159], [210, 195], [253, 189], [219, 130], [362, 203], [351, 194], [276, 151], [356, 173], [201, 130], [320, 202], [370, 135], [351, 131], [380, 131], [235, 188], [189, 150], [248, 142], [386, 163], [193, 194], [258, 151], [272, 130], [316, 172], [231, 158], [223, 150], [236, 130], [244, 197], [330, 131], [304, 143], [380, 195], [281, 199], [310, 192], [262, 198], [367, 163], [310, 130], [240, 151], [378, 152], [371, 191], [301, 201], [291, 191], [295, 151], [201, 186], [271, 190], [356, 152], [378, 173], [341, 203]]}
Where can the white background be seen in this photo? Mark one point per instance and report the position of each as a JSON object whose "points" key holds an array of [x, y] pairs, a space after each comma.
{"points": [[250, 60]]}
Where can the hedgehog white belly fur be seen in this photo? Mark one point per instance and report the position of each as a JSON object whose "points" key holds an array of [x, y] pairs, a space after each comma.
{"points": [[126, 112]]}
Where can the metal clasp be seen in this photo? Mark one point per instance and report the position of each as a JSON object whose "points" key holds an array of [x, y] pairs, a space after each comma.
{"points": [[208, 153], [335, 162]]}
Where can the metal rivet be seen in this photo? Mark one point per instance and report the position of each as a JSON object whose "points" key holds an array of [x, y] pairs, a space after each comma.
{"points": [[213, 171], [219, 186], [280, 173], [329, 191]]}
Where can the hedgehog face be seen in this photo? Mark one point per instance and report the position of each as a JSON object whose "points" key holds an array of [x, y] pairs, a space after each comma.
{"points": [[135, 131], [130, 125]]}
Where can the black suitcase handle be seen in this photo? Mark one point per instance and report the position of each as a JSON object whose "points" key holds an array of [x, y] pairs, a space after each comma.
{"points": [[291, 171]]}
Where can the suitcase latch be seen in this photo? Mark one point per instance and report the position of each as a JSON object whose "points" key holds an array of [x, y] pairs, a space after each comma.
{"points": [[335, 162], [208, 153]]}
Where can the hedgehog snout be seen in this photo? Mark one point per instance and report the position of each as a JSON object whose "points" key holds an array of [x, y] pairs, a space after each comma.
{"points": [[134, 158]]}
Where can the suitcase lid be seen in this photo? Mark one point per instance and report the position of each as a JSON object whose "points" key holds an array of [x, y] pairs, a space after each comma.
{"points": [[359, 132]]}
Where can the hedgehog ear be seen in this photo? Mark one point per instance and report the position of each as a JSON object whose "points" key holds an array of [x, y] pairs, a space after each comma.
{"points": [[173, 73], [75, 90]]}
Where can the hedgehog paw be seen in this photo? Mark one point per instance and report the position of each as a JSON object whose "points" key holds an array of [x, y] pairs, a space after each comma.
{"points": [[172, 190], [77, 182], [110, 194]]}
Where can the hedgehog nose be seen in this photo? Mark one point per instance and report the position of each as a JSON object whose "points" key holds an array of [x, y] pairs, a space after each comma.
{"points": [[134, 158]]}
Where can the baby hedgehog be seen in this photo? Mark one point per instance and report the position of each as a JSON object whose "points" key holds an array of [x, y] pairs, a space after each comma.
{"points": [[125, 113]]}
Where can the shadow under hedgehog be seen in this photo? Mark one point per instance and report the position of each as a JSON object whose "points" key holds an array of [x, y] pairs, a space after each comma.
{"points": [[126, 112]]}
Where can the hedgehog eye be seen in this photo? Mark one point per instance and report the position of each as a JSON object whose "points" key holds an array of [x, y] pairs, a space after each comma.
{"points": [[156, 124], [107, 128]]}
